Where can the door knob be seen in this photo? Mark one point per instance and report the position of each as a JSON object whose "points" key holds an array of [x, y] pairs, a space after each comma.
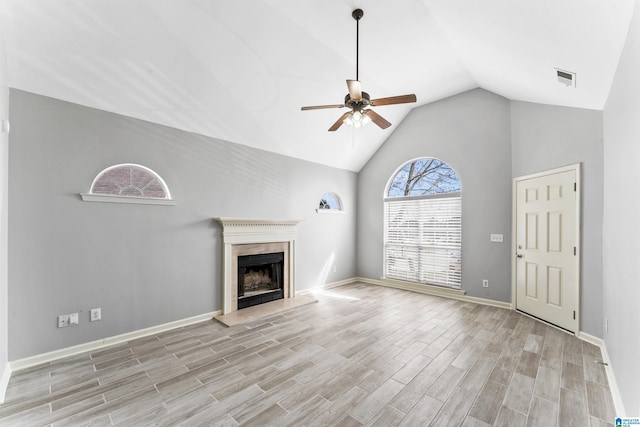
{"points": [[519, 255]]}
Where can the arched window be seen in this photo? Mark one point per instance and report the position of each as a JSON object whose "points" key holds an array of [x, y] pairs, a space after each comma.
{"points": [[129, 183], [329, 203], [423, 224]]}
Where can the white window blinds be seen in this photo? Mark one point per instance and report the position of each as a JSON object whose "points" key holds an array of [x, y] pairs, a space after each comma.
{"points": [[423, 238]]}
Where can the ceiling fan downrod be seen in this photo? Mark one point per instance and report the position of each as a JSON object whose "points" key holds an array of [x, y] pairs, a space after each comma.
{"points": [[357, 15]]}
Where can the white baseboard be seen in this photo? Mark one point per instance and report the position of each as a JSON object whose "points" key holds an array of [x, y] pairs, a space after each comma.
{"points": [[4, 381], [413, 287], [611, 378], [457, 294], [28, 362], [326, 286]]}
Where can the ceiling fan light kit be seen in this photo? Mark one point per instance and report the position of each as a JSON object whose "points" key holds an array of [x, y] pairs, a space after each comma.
{"points": [[357, 100], [357, 119]]}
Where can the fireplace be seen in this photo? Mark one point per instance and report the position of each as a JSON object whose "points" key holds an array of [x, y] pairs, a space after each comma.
{"points": [[260, 278], [265, 249]]}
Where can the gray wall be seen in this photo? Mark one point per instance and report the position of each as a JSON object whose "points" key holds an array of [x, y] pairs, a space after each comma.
{"points": [[489, 140], [145, 265], [4, 211], [471, 133], [621, 229], [544, 137]]}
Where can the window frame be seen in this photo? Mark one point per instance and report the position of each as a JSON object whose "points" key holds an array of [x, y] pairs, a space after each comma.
{"points": [[432, 264], [140, 200], [331, 211]]}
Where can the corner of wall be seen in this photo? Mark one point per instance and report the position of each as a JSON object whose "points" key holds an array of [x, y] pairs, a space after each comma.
{"points": [[621, 234], [4, 381], [611, 378], [5, 372]]}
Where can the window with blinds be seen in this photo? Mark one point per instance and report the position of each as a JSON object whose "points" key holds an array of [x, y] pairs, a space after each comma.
{"points": [[423, 233], [129, 183]]}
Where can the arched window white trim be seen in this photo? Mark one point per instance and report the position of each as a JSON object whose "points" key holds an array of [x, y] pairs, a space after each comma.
{"points": [[129, 183], [423, 224], [330, 203]]}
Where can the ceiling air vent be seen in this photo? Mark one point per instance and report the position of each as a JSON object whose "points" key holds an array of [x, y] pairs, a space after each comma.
{"points": [[567, 78]]}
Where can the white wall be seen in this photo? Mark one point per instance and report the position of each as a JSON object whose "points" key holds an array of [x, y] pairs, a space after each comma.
{"points": [[145, 265], [622, 221], [470, 132], [4, 176]]}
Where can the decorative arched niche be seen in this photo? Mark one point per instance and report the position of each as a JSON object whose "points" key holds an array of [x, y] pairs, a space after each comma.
{"points": [[129, 183]]}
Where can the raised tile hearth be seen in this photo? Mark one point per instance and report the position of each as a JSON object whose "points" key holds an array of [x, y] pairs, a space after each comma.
{"points": [[250, 314]]}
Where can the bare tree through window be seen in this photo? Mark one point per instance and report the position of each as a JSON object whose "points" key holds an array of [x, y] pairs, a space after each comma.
{"points": [[423, 177], [330, 201]]}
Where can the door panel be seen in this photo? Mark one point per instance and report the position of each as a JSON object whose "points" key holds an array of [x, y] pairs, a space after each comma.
{"points": [[554, 286], [532, 280], [532, 230], [546, 267]]}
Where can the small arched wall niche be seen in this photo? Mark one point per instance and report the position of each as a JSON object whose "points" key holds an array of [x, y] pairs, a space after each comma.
{"points": [[129, 183]]}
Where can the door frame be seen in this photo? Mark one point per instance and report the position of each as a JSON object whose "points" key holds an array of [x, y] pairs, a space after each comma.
{"points": [[578, 227]]}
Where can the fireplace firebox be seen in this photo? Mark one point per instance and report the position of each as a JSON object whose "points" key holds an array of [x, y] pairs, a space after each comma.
{"points": [[260, 278]]}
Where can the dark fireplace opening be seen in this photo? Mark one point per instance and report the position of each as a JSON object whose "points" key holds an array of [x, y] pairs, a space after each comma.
{"points": [[260, 279]]}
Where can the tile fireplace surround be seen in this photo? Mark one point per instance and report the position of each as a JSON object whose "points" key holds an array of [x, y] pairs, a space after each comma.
{"points": [[245, 236]]}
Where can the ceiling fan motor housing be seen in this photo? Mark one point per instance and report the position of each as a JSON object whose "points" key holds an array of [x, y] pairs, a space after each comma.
{"points": [[357, 105]]}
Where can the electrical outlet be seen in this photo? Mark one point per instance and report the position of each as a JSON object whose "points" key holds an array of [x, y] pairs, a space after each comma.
{"points": [[335, 268], [96, 314], [485, 283], [606, 324], [63, 321]]}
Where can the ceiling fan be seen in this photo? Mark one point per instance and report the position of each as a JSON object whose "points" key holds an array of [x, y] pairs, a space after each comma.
{"points": [[358, 100]]}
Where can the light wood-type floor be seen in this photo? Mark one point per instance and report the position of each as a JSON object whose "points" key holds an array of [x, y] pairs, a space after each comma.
{"points": [[361, 355]]}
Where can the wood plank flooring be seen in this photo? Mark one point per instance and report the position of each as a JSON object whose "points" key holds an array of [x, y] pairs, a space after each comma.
{"points": [[363, 355]]}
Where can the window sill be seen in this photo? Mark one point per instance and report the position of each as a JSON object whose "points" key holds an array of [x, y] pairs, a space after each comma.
{"points": [[128, 200], [330, 211]]}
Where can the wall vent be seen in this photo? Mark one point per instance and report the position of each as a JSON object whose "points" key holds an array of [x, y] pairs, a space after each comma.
{"points": [[567, 78]]}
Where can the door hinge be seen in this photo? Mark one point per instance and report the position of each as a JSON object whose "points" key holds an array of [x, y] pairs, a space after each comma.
{"points": [[574, 315], [574, 250], [575, 186]]}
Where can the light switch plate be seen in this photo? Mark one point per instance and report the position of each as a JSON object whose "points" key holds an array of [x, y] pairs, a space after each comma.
{"points": [[499, 238], [73, 319]]}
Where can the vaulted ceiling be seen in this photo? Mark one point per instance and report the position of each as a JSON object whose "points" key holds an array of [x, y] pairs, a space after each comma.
{"points": [[239, 70]]}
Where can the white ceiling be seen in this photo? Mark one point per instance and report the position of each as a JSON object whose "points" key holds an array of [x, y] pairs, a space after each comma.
{"points": [[239, 70]]}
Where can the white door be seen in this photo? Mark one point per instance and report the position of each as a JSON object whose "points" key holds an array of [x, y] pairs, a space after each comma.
{"points": [[547, 243]]}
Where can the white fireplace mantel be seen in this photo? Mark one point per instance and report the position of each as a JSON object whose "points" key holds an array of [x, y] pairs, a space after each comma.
{"points": [[244, 231]]}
